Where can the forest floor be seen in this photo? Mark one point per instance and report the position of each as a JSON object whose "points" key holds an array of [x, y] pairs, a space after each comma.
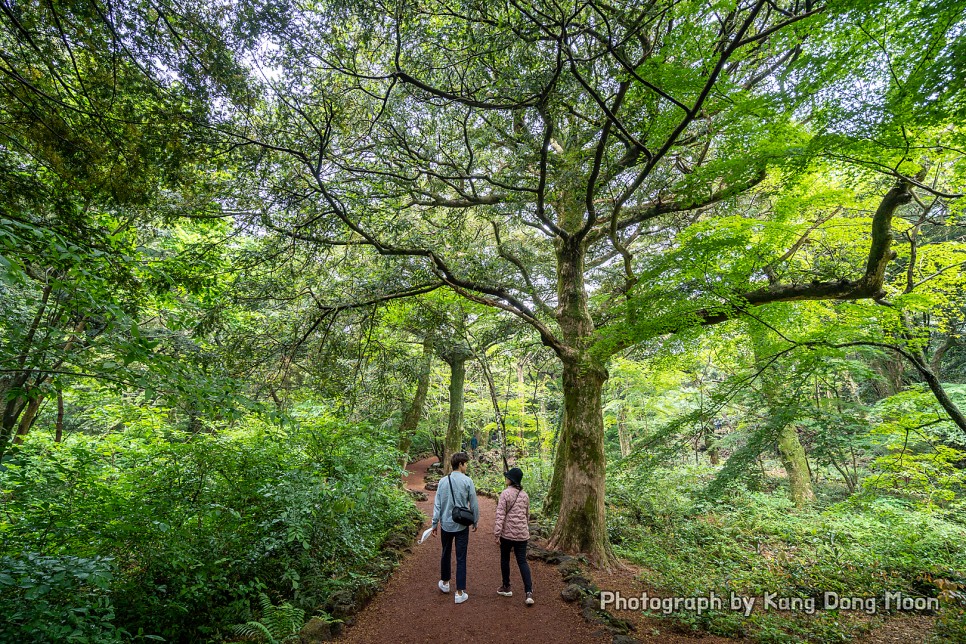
{"points": [[411, 609]]}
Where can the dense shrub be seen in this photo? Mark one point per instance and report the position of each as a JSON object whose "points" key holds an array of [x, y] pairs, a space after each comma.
{"points": [[56, 599], [753, 542], [196, 525]]}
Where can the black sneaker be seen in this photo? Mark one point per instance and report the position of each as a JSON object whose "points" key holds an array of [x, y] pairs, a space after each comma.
{"points": [[529, 599], [504, 591]]}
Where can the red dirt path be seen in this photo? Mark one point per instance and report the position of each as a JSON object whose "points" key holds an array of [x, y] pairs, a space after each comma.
{"points": [[412, 610]]}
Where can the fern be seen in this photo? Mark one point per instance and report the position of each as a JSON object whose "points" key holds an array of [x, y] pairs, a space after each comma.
{"points": [[278, 623], [254, 631]]}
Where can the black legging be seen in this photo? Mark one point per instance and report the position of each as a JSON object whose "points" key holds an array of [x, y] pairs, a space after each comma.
{"points": [[520, 550]]}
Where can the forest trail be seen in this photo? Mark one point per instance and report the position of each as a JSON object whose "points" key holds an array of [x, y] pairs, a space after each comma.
{"points": [[412, 610]]}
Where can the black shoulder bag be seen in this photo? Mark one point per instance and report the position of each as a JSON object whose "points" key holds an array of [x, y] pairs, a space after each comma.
{"points": [[461, 515]]}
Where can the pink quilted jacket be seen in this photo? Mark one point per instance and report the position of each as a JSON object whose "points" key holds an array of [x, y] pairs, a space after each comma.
{"points": [[513, 525]]}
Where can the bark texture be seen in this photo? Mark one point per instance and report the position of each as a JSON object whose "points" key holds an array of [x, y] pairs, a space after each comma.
{"points": [[579, 468], [412, 415], [456, 358], [27, 418], [59, 427], [796, 466]]}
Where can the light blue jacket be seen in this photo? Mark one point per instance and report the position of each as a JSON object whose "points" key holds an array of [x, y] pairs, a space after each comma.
{"points": [[465, 495]]}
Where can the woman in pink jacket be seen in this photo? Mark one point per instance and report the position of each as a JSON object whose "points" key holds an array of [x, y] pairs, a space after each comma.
{"points": [[512, 531]]}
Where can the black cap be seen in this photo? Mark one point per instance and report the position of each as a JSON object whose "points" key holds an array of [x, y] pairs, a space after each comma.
{"points": [[514, 475]]}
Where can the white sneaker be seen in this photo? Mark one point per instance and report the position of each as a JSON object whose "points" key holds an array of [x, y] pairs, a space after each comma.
{"points": [[444, 588], [462, 598]]}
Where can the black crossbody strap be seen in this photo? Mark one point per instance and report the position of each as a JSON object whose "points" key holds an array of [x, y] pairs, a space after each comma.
{"points": [[514, 501], [452, 496], [507, 515]]}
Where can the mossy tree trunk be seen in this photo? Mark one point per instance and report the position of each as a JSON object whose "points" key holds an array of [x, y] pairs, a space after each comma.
{"points": [[551, 503], [456, 358], [790, 449], [410, 420], [794, 461], [578, 485], [577, 488]]}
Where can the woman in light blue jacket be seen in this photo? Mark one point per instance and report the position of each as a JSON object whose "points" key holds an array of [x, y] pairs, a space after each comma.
{"points": [[455, 489]]}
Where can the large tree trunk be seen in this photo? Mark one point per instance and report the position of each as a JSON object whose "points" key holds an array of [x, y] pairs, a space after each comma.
{"points": [[579, 468], [551, 503], [410, 420], [580, 465], [457, 384], [796, 466], [793, 459]]}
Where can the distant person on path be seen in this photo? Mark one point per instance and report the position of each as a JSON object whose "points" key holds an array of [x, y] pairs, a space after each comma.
{"points": [[511, 531], [456, 490], [473, 445]]}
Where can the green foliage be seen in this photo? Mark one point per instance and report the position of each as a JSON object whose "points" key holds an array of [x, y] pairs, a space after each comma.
{"points": [[203, 238], [754, 542], [924, 452], [191, 520], [950, 625], [277, 624], [57, 599], [488, 477]]}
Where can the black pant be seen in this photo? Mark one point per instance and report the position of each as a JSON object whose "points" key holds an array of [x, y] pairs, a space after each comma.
{"points": [[520, 550], [462, 539]]}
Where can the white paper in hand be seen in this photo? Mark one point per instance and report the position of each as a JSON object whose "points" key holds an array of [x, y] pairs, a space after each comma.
{"points": [[425, 535]]}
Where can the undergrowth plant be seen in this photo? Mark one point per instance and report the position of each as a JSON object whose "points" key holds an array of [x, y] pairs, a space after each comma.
{"points": [[176, 527], [755, 542], [276, 625]]}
